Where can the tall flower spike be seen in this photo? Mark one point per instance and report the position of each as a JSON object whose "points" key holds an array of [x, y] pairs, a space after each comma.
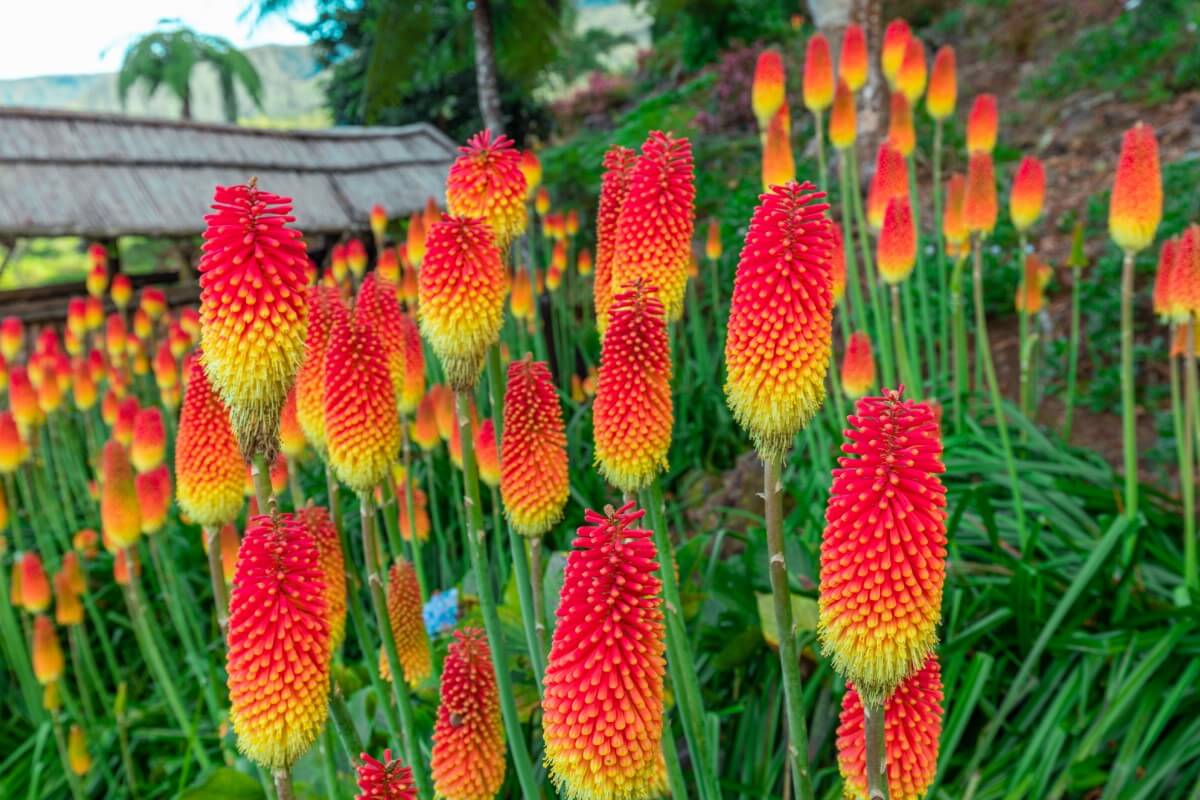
{"points": [[843, 119], [983, 122], [34, 585], [818, 74], [291, 435], [120, 515], [902, 135], [362, 427], [487, 454], [1135, 209], [837, 264], [384, 780], [632, 414], [329, 556], [780, 318], [853, 66], [778, 165], [486, 182], [942, 96], [1028, 193], [1185, 277], [897, 250], [154, 497], [48, 662], [858, 366], [895, 44], [208, 463], [884, 548], [914, 72], [324, 307], [462, 285], [890, 180], [534, 483], [149, 446], [614, 188], [1031, 292], [979, 195], [767, 90], [378, 310], [252, 309], [954, 221], [654, 231], [603, 704], [1163, 288], [467, 762], [408, 627], [912, 724], [278, 643]]}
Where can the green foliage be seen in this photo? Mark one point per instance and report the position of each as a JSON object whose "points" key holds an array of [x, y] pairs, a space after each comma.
{"points": [[698, 30]]}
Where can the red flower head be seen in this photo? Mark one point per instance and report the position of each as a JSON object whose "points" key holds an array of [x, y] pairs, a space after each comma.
{"points": [[1028, 193], [378, 220], [420, 515], [712, 242], [48, 662], [897, 250], [853, 64], [943, 84], [12, 337], [486, 182], [1185, 277], [153, 490], [901, 133], [120, 515], [1135, 208], [12, 447], [362, 428], [858, 366], [954, 221], [166, 371], [843, 119], [388, 268], [1164, 301], [408, 626], [541, 201], [983, 122], [583, 262], [153, 303], [384, 780], [614, 188], [291, 435], [912, 724], [520, 296], [531, 168], [121, 290], [632, 414], [603, 704], [890, 180], [23, 399], [339, 266], [424, 427], [818, 74], [487, 454], [895, 45], [780, 318], [324, 308], [884, 549], [97, 277], [149, 440], [979, 195], [278, 642], [767, 93], [837, 264], [253, 315], [208, 463], [468, 739], [356, 257], [914, 71], [414, 239], [462, 285], [33, 584], [329, 556], [533, 481], [77, 316], [378, 310], [68, 609], [778, 165]]}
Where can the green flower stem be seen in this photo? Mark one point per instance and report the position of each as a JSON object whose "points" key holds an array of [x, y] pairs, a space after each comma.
{"points": [[436, 513], [123, 741], [261, 474], [959, 334], [343, 723], [80, 674], [411, 507], [1128, 418], [671, 757], [61, 740], [922, 289], [294, 483], [819, 133], [376, 588], [789, 658], [882, 330], [474, 535], [943, 366], [216, 575], [876, 755], [984, 354], [1072, 353], [16, 651], [853, 286], [906, 371], [333, 789], [1190, 394], [283, 784]]}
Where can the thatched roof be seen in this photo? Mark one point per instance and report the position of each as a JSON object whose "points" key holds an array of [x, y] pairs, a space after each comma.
{"points": [[99, 175]]}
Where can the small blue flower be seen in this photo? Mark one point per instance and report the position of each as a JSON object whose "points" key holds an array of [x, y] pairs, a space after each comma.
{"points": [[441, 612]]}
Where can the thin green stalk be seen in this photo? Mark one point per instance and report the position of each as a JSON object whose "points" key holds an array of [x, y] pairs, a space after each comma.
{"points": [[1128, 420], [61, 740], [411, 508], [797, 747], [959, 335], [343, 723], [216, 576], [882, 329], [922, 288], [261, 475], [820, 135], [297, 491], [1072, 354], [77, 668], [876, 755], [912, 345], [984, 354], [474, 535], [853, 286], [435, 512], [1022, 345], [906, 372], [123, 740], [674, 773], [714, 266], [333, 790], [1190, 394], [539, 610], [943, 317], [14, 645], [283, 784]]}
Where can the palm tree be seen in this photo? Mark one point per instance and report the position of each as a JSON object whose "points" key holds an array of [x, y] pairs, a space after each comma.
{"points": [[166, 58]]}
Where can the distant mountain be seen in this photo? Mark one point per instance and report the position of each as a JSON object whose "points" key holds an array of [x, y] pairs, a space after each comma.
{"points": [[291, 92]]}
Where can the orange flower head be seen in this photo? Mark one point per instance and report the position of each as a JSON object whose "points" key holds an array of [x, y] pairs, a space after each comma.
{"points": [[153, 491], [278, 642], [614, 188], [603, 704], [388, 268], [780, 319], [252, 309], [1179, 342], [149, 446], [415, 239], [520, 297], [468, 738], [166, 371], [895, 45], [68, 610], [153, 303], [122, 562], [583, 262], [424, 426], [487, 455], [486, 182], [121, 290], [378, 220], [1164, 301], [34, 585], [1185, 277], [291, 435], [843, 119], [445, 417], [837, 264], [12, 337], [712, 242], [778, 164], [116, 338], [420, 515], [884, 548], [12, 447], [408, 626], [632, 415], [979, 195], [356, 257], [85, 542], [858, 366], [23, 399], [890, 180], [853, 66], [72, 573], [77, 752], [384, 780], [120, 517], [329, 556], [77, 316], [531, 168], [339, 265], [541, 201], [654, 230], [97, 280], [94, 313], [208, 462], [362, 428], [49, 391], [818, 74], [571, 223], [1031, 293], [534, 482], [983, 122], [558, 256], [954, 221], [1028, 193], [943, 84], [914, 71], [378, 310], [901, 133], [462, 286], [767, 93], [127, 411], [324, 308], [897, 250], [1135, 208], [912, 724], [48, 662]]}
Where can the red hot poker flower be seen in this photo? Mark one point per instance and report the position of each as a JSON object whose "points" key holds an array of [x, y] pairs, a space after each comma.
{"points": [[534, 483], [384, 780], [486, 182], [1135, 209], [208, 462], [614, 188], [468, 738]]}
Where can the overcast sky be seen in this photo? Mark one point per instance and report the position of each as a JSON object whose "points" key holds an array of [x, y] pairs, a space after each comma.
{"points": [[54, 37]]}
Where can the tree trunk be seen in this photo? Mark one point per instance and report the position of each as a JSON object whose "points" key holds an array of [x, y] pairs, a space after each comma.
{"points": [[186, 111], [485, 67]]}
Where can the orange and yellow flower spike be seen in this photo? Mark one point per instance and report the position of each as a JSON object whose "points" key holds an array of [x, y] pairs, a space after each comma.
{"points": [[1135, 208], [408, 626], [767, 92], [843, 119], [48, 661], [884, 548], [378, 310], [902, 134], [614, 188], [1028, 193], [942, 96], [837, 264], [486, 182], [610, 622], [291, 435], [329, 557], [853, 64], [983, 124], [1163, 298], [1031, 291], [31, 584], [468, 761], [154, 497], [324, 308], [712, 241], [778, 337], [149, 446], [1185, 277], [890, 180], [278, 642], [858, 366], [979, 194], [897, 247], [778, 164], [534, 483], [954, 221], [208, 462], [914, 71], [531, 168], [895, 45], [77, 751], [818, 74], [120, 515]]}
